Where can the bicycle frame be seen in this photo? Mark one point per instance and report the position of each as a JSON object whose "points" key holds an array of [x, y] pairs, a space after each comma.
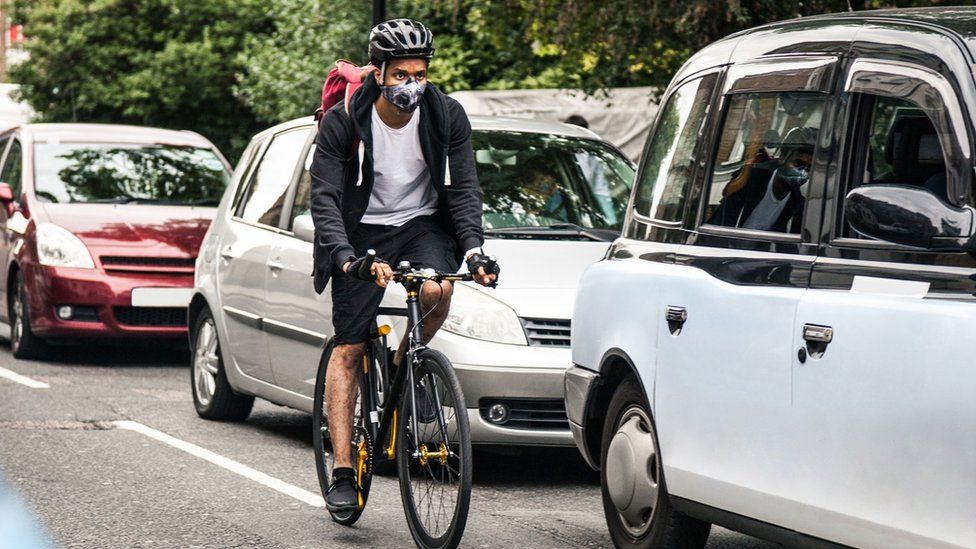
{"points": [[412, 281]]}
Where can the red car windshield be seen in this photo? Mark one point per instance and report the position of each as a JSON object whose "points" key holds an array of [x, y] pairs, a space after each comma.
{"points": [[128, 173]]}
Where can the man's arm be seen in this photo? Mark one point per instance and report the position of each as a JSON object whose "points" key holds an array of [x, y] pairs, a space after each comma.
{"points": [[464, 196], [333, 148]]}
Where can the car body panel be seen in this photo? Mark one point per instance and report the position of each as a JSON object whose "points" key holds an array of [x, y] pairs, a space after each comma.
{"points": [[154, 245], [861, 446], [892, 392]]}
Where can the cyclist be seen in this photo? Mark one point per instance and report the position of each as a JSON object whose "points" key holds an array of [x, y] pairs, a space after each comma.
{"points": [[415, 197]]}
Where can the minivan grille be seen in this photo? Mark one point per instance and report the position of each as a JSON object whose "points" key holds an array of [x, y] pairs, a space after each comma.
{"points": [[148, 264], [151, 316], [547, 414], [547, 332]]}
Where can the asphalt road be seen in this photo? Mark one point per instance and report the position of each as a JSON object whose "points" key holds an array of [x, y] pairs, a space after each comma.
{"points": [[93, 483]]}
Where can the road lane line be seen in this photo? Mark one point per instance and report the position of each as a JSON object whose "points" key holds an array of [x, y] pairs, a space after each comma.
{"points": [[315, 500], [23, 380]]}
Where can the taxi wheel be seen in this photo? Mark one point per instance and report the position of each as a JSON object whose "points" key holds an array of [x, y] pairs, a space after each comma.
{"points": [[23, 342], [635, 498], [213, 396]]}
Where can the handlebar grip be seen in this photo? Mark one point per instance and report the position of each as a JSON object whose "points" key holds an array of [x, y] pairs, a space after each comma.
{"points": [[367, 265]]}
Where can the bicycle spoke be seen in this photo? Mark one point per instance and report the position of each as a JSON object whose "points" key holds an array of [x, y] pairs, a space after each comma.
{"points": [[435, 484]]}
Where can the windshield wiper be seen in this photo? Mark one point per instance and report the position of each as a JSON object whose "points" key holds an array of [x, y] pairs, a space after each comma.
{"points": [[205, 202], [590, 233], [558, 229], [116, 200]]}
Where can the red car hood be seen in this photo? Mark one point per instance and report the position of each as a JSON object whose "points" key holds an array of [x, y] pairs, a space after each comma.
{"points": [[143, 228]]}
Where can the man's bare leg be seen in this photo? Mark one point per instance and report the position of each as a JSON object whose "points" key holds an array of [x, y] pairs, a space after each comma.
{"points": [[341, 382], [429, 298]]}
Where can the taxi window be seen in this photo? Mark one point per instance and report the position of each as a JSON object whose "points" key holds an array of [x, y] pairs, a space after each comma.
{"points": [[761, 168]]}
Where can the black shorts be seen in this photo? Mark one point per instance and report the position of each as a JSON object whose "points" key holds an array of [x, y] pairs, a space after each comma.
{"points": [[421, 241]]}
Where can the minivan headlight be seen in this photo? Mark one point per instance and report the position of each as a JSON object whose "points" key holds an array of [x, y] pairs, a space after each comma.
{"points": [[476, 315], [57, 247]]}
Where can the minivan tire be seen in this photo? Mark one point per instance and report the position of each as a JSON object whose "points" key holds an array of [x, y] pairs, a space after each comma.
{"points": [[665, 527], [207, 367], [23, 342]]}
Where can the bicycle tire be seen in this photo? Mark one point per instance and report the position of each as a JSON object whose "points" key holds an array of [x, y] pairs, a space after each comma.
{"points": [[433, 365], [323, 445]]}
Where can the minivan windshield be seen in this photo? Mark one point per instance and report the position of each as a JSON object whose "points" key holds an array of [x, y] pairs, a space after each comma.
{"points": [[533, 180], [128, 173]]}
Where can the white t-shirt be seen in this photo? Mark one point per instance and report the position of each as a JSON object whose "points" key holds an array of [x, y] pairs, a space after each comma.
{"points": [[765, 214], [402, 189]]}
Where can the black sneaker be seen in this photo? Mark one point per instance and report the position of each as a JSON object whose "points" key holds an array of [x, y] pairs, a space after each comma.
{"points": [[342, 495]]}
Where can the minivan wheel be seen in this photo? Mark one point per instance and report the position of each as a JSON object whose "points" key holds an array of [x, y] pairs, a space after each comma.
{"points": [[23, 342], [212, 394], [635, 498]]}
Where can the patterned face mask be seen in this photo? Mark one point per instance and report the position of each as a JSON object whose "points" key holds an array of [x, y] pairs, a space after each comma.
{"points": [[405, 96]]}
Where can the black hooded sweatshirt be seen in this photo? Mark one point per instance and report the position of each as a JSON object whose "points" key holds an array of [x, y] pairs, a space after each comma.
{"points": [[339, 197]]}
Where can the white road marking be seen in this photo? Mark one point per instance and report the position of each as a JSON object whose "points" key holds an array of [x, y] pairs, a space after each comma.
{"points": [[23, 380], [315, 500]]}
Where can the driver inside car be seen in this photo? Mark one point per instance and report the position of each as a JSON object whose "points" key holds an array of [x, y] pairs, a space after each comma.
{"points": [[772, 197]]}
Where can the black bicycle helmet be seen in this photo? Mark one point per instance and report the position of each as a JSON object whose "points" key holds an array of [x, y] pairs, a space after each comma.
{"points": [[400, 38]]}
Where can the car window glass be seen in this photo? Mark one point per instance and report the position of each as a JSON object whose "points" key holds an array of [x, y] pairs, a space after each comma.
{"points": [[136, 173], [903, 148], [265, 196], [3, 144], [11, 173], [302, 204], [669, 159], [899, 145], [242, 173], [539, 180], [762, 163]]}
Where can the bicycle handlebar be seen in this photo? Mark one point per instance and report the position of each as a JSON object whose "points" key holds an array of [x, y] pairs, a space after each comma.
{"points": [[365, 269], [405, 272]]}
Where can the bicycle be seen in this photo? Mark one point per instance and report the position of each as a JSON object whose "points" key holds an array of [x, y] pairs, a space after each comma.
{"points": [[418, 419]]}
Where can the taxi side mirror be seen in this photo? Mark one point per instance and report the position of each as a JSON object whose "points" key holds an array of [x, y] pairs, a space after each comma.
{"points": [[911, 216]]}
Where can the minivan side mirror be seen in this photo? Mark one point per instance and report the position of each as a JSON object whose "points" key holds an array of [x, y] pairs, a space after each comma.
{"points": [[304, 228], [911, 216]]}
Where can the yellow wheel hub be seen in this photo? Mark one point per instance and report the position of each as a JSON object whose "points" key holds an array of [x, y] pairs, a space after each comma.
{"points": [[427, 455]]}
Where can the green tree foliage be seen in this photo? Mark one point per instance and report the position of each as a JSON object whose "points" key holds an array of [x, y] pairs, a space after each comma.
{"points": [[228, 68], [283, 71], [169, 63], [592, 44]]}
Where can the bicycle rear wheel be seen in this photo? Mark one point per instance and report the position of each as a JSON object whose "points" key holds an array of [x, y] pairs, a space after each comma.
{"points": [[435, 472], [361, 448]]}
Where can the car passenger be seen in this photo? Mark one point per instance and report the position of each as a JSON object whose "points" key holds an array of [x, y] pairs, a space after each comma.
{"points": [[770, 198]]}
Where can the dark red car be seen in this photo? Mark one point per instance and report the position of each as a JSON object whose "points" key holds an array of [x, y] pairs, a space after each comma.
{"points": [[101, 228]]}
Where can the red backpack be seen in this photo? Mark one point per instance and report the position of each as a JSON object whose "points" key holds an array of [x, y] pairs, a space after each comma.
{"points": [[344, 79]]}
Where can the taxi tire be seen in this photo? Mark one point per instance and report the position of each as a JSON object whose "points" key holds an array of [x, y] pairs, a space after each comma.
{"points": [[669, 528]]}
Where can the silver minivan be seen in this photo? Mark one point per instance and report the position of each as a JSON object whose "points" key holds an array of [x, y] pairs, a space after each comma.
{"points": [[554, 199]]}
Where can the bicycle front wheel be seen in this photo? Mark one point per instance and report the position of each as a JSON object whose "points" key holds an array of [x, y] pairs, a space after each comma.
{"points": [[434, 454]]}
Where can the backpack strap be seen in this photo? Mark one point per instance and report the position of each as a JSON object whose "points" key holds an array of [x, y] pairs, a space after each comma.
{"points": [[357, 149]]}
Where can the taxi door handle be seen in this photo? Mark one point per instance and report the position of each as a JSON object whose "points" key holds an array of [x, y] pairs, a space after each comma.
{"points": [[818, 334], [676, 317], [817, 338]]}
